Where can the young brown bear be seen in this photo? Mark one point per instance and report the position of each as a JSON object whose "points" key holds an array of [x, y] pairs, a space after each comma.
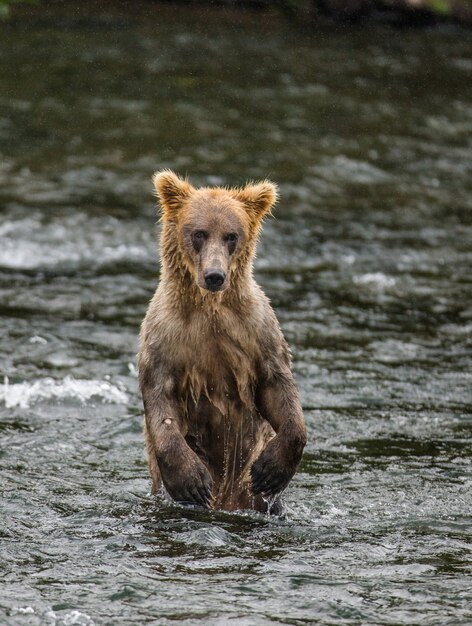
{"points": [[224, 427]]}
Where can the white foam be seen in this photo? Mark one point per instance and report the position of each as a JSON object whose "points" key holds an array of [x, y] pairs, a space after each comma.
{"points": [[38, 339], [76, 618], [376, 279], [22, 610], [70, 241], [25, 394]]}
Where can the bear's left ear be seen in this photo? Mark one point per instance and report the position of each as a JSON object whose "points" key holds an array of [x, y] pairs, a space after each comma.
{"points": [[172, 192], [258, 199]]}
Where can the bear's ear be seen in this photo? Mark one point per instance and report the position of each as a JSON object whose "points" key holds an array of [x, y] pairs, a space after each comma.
{"points": [[258, 199], [172, 192]]}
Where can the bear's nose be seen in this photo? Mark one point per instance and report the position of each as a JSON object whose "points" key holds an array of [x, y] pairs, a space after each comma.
{"points": [[214, 279]]}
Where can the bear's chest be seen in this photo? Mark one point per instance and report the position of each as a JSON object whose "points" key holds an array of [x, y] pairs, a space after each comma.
{"points": [[219, 361]]}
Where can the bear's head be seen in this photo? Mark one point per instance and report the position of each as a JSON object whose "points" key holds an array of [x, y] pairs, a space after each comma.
{"points": [[215, 228]]}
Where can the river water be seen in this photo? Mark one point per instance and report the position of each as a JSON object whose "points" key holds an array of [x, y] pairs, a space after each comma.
{"points": [[368, 265]]}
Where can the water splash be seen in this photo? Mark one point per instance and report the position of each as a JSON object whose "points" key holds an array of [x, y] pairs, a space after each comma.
{"points": [[26, 394], [271, 500]]}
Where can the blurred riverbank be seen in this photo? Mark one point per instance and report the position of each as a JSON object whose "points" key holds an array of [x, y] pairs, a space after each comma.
{"points": [[304, 13]]}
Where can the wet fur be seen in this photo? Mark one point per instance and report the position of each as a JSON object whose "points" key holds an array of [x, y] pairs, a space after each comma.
{"points": [[223, 422]]}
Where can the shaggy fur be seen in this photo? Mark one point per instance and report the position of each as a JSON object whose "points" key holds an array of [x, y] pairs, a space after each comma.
{"points": [[223, 422]]}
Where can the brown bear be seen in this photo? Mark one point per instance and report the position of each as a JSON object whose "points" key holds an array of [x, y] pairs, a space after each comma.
{"points": [[224, 427]]}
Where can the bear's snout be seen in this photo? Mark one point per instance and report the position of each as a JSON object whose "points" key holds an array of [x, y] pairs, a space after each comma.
{"points": [[214, 279]]}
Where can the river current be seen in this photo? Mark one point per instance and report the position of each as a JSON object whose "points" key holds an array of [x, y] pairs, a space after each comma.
{"points": [[368, 266]]}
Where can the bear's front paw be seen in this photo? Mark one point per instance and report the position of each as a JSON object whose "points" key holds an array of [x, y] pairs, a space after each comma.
{"points": [[272, 471], [190, 483]]}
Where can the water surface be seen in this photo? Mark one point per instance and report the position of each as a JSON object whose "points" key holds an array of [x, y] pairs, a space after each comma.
{"points": [[368, 265]]}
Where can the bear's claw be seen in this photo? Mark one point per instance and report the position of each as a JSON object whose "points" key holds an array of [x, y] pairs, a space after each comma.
{"points": [[267, 481], [193, 486], [269, 474], [193, 497]]}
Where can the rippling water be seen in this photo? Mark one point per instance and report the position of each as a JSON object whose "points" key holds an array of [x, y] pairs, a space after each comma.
{"points": [[368, 265]]}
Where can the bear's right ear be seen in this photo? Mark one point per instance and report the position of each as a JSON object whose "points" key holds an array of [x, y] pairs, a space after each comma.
{"points": [[172, 192]]}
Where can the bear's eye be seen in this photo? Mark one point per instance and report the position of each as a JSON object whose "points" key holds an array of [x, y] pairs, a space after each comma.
{"points": [[198, 239], [231, 237]]}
